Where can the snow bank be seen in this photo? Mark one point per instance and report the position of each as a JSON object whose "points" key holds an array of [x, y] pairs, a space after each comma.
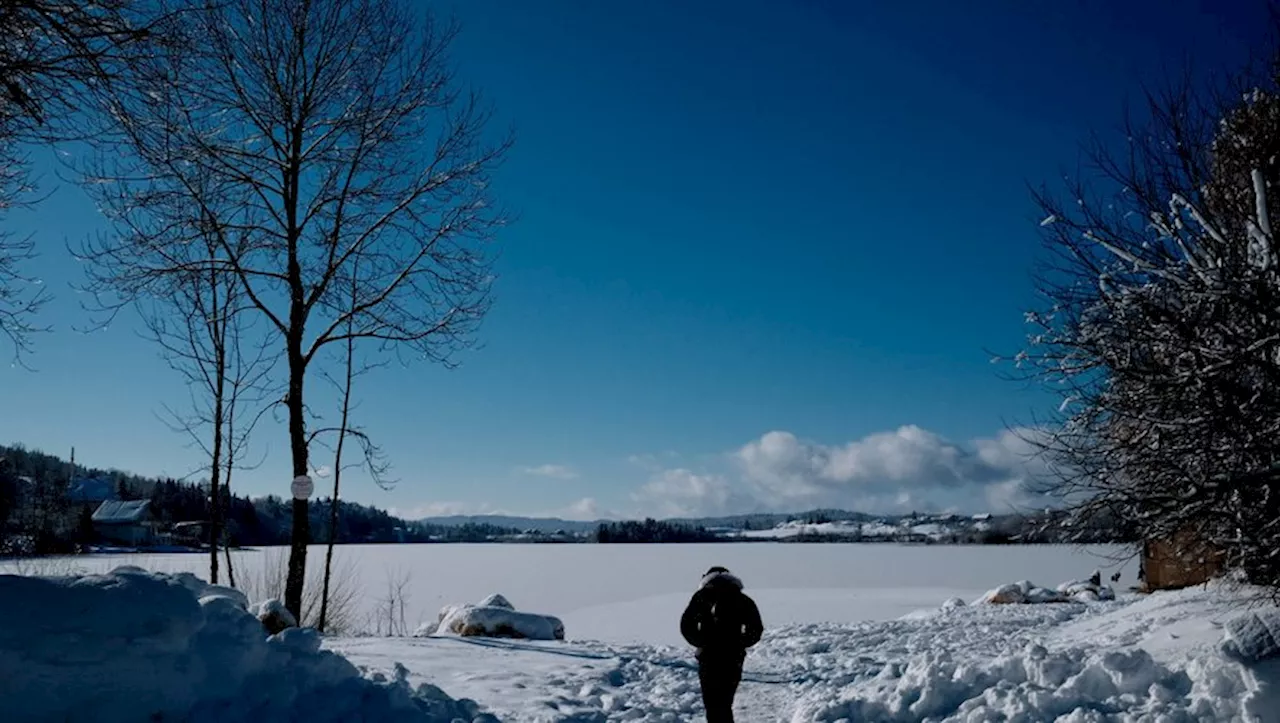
{"points": [[1252, 637], [1035, 684], [1026, 592], [134, 646], [494, 617], [1143, 658]]}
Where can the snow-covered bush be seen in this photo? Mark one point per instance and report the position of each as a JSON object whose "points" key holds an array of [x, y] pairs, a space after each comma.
{"points": [[494, 617], [138, 646], [266, 580]]}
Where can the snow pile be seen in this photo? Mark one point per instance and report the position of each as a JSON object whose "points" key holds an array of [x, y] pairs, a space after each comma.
{"points": [[1038, 685], [134, 646], [1252, 637], [493, 617], [1027, 593]]}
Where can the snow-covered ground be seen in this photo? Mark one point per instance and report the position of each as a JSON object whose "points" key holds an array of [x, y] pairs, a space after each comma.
{"points": [[591, 588], [868, 530], [1152, 658], [133, 646], [129, 645]]}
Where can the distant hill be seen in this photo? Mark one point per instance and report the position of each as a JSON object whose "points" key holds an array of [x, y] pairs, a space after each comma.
{"points": [[537, 524], [756, 521]]}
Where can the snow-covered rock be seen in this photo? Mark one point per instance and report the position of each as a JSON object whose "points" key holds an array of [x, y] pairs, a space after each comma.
{"points": [[1025, 592], [1091, 590], [136, 646], [494, 617], [1252, 636], [490, 622], [496, 601], [953, 603], [274, 616], [1022, 593]]}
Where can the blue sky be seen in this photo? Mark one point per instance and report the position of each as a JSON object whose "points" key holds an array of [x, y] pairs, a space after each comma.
{"points": [[761, 249]]}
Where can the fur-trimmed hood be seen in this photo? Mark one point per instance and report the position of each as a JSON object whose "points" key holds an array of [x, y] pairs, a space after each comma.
{"points": [[712, 579]]}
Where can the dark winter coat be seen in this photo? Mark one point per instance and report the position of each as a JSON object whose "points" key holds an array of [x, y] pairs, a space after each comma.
{"points": [[721, 621]]}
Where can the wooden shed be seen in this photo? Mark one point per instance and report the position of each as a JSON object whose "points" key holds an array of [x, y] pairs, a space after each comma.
{"points": [[1181, 560], [127, 523]]}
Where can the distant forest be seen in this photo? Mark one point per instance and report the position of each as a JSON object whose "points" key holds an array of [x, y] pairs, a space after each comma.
{"points": [[43, 511], [40, 515], [653, 531]]}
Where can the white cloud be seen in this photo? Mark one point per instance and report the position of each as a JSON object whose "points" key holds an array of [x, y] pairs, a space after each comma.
{"points": [[440, 509], [683, 493], [908, 469], [551, 471], [586, 509], [654, 462], [904, 470]]}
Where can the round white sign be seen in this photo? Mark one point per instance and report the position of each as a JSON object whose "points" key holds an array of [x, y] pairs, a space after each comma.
{"points": [[302, 487]]}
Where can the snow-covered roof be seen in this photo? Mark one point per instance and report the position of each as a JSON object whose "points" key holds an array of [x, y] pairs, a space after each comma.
{"points": [[92, 489], [116, 511]]}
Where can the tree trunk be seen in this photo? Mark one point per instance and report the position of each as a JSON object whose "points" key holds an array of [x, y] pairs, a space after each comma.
{"points": [[226, 485], [231, 571], [215, 493], [337, 478], [298, 311], [301, 535]]}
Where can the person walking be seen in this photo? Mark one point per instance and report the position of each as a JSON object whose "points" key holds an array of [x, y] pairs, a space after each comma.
{"points": [[721, 622]]}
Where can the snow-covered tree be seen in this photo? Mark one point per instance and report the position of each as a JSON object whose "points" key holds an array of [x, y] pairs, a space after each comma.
{"points": [[1161, 331]]}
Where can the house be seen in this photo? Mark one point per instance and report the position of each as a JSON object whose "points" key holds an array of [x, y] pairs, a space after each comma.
{"points": [[85, 495], [1180, 560], [125, 523]]}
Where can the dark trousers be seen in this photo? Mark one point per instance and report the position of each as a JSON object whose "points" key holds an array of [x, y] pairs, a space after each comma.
{"points": [[720, 677]]}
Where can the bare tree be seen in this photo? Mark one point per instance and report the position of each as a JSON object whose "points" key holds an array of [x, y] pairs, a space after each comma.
{"points": [[49, 50], [193, 307], [371, 454], [51, 53], [336, 128], [21, 294], [1162, 330], [206, 337], [388, 617]]}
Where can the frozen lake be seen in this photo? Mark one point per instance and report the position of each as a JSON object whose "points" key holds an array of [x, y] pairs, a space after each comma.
{"points": [[633, 593]]}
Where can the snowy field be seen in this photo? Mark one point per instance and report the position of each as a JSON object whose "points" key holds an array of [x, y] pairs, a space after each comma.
{"points": [[635, 593]]}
